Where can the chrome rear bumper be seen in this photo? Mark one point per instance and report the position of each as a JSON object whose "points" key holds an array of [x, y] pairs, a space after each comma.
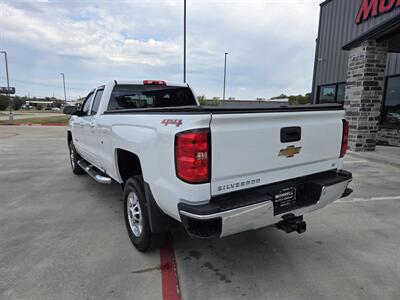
{"points": [[202, 224]]}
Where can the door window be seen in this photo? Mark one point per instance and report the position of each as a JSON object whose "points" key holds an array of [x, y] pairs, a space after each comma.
{"points": [[87, 104], [391, 107], [96, 102], [332, 93], [327, 94], [341, 93]]}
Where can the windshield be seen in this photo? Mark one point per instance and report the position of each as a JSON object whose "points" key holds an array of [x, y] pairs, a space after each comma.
{"points": [[142, 96]]}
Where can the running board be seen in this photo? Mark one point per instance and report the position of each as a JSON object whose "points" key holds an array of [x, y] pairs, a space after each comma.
{"points": [[94, 173]]}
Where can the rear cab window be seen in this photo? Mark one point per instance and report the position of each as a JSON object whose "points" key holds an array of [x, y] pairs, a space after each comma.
{"points": [[149, 96]]}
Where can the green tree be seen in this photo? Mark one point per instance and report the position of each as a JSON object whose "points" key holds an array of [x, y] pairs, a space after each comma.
{"points": [[281, 96], [296, 100], [18, 102], [209, 102], [300, 99], [201, 98], [3, 102]]}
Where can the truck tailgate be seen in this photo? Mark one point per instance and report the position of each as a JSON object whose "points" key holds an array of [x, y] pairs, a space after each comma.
{"points": [[247, 150]]}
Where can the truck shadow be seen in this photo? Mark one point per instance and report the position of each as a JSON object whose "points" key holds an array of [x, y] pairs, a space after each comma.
{"points": [[265, 262]]}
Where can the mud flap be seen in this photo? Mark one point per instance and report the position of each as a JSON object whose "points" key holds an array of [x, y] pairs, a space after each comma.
{"points": [[159, 222]]}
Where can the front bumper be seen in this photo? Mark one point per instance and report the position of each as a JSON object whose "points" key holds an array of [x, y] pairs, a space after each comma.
{"points": [[253, 209]]}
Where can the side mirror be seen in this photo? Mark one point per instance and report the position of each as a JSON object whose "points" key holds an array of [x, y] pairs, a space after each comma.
{"points": [[70, 110]]}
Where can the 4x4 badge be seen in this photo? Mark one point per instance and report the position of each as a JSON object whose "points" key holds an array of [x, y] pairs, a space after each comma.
{"points": [[175, 122], [290, 151]]}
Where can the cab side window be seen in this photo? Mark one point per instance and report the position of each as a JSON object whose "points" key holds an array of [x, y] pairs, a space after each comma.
{"points": [[87, 104], [96, 102]]}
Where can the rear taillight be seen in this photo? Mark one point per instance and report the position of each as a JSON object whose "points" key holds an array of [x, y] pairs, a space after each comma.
{"points": [[192, 156], [345, 140]]}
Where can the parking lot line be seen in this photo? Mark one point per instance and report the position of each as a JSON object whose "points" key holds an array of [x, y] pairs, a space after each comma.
{"points": [[350, 200], [169, 277], [355, 161]]}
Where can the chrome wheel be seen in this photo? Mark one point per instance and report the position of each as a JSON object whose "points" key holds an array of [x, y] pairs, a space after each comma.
{"points": [[134, 214], [72, 155]]}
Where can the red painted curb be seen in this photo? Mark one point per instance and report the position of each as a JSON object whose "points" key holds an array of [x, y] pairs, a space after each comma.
{"points": [[169, 275]]}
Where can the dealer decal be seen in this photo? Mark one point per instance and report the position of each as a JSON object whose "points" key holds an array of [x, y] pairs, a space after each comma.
{"points": [[176, 122]]}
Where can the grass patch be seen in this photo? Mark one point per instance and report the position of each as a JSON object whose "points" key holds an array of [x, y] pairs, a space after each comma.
{"points": [[29, 111], [44, 121], [6, 114], [35, 111]]}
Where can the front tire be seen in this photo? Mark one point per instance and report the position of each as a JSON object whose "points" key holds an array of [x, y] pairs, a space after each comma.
{"points": [[137, 219], [73, 158]]}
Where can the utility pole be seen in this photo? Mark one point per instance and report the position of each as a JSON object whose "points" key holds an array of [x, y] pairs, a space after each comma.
{"points": [[184, 41], [226, 54], [10, 117], [65, 94]]}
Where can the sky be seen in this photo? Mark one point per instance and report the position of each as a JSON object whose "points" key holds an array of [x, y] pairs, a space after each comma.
{"points": [[271, 45]]}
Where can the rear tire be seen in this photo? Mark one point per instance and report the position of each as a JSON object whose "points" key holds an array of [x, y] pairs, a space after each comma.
{"points": [[137, 219], [73, 158]]}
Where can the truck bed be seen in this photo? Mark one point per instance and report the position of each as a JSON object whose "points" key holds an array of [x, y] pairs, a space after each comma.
{"points": [[226, 110]]}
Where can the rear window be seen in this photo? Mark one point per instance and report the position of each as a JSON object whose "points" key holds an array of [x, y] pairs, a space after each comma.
{"points": [[142, 96]]}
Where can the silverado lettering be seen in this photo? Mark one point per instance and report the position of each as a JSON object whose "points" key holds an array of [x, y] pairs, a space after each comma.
{"points": [[238, 184]]}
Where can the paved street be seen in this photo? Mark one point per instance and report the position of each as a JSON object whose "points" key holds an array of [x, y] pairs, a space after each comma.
{"points": [[63, 237]]}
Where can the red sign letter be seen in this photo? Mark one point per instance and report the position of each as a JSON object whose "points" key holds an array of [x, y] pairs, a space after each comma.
{"points": [[368, 8], [386, 5]]}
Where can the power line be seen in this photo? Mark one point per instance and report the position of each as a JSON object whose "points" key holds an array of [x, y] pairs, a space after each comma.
{"points": [[43, 84]]}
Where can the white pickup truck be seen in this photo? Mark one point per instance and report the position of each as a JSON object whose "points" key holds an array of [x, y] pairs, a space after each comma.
{"points": [[218, 171]]}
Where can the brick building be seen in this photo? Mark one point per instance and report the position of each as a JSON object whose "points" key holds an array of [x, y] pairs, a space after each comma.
{"points": [[357, 63]]}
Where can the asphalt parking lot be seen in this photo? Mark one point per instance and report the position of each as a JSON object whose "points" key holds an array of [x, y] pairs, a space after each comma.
{"points": [[63, 237]]}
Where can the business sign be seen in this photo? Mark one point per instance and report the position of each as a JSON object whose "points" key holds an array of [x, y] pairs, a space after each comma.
{"points": [[374, 8], [6, 90]]}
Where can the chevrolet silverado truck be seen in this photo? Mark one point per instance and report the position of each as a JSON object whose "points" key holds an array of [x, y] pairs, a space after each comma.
{"points": [[218, 171]]}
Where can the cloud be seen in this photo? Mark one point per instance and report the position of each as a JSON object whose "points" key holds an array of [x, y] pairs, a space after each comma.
{"points": [[270, 43], [97, 38]]}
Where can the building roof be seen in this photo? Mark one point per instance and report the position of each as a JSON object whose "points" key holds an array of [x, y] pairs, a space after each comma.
{"points": [[325, 2], [38, 102], [283, 100]]}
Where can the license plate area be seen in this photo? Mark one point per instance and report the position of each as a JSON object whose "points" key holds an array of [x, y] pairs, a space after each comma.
{"points": [[285, 199]]}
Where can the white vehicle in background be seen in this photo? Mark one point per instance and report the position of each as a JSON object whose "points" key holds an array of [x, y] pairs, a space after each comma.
{"points": [[218, 171]]}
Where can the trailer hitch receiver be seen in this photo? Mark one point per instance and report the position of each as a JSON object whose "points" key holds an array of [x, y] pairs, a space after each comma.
{"points": [[291, 223]]}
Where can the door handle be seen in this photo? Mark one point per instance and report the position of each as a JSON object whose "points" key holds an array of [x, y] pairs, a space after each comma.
{"points": [[91, 125], [290, 134]]}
